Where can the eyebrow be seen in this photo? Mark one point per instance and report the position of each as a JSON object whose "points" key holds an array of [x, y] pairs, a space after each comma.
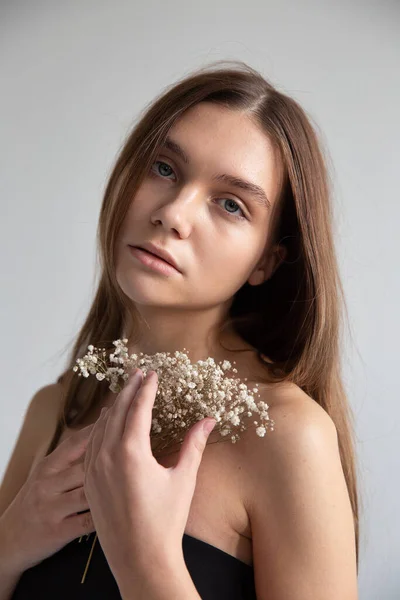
{"points": [[243, 184]]}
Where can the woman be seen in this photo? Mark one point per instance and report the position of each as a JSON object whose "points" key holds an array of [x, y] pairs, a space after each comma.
{"points": [[225, 173]]}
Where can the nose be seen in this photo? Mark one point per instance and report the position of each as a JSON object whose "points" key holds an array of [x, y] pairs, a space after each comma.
{"points": [[179, 212]]}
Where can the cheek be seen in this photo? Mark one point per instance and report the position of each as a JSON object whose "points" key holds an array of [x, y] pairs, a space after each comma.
{"points": [[139, 208], [225, 269]]}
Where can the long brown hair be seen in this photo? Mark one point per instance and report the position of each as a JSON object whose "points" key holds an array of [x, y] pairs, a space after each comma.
{"points": [[295, 318]]}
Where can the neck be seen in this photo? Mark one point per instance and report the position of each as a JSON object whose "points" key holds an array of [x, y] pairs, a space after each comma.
{"points": [[197, 334]]}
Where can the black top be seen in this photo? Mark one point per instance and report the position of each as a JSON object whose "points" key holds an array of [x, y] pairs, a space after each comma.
{"points": [[215, 574]]}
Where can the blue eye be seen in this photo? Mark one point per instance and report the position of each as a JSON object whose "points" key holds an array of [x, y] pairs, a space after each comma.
{"points": [[163, 163], [235, 216], [163, 176]]}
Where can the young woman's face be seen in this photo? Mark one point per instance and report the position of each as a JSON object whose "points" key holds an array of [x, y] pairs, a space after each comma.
{"points": [[215, 231]]}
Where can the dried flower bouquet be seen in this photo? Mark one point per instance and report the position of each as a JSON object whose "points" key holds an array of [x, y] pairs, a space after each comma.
{"points": [[186, 392]]}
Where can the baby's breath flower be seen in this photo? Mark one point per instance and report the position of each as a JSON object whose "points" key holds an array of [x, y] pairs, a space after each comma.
{"points": [[186, 392]]}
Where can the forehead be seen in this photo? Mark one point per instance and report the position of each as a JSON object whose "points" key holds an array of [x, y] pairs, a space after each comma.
{"points": [[220, 140]]}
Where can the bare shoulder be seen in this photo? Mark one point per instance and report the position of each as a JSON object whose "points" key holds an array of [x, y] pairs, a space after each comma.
{"points": [[35, 432], [296, 414], [297, 418], [300, 425], [296, 497]]}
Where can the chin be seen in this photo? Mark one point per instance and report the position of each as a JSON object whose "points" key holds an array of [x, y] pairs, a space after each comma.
{"points": [[141, 289]]}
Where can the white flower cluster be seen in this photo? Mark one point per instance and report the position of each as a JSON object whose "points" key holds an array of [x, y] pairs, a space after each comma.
{"points": [[186, 392]]}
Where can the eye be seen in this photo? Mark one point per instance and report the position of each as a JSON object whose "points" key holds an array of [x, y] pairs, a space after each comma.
{"points": [[160, 162], [234, 216]]}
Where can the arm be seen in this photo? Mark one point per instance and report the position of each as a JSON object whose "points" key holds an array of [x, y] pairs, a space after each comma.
{"points": [[170, 579], [299, 508], [8, 578], [7, 585], [37, 427]]}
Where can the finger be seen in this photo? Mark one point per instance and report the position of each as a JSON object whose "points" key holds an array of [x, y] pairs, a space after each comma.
{"points": [[69, 450], [77, 525], [92, 448], [117, 413], [99, 434], [68, 479], [71, 503], [89, 449], [193, 446], [139, 414]]}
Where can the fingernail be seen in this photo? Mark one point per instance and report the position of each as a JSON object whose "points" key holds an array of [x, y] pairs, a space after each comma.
{"points": [[208, 426]]}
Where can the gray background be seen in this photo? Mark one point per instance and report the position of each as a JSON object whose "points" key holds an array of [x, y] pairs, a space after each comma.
{"points": [[74, 76]]}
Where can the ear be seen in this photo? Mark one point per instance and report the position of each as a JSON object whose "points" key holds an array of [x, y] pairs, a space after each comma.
{"points": [[267, 268]]}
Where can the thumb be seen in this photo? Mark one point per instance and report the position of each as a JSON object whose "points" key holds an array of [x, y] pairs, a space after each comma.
{"points": [[194, 444]]}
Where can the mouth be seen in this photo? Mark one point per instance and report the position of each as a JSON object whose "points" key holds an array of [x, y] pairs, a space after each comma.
{"points": [[153, 261], [159, 252]]}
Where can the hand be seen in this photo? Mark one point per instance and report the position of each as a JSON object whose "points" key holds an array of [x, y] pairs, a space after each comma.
{"points": [[139, 508], [43, 517]]}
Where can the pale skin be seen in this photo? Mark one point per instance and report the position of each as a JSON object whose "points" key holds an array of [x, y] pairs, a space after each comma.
{"points": [[296, 470], [179, 207], [280, 502], [135, 501], [294, 491]]}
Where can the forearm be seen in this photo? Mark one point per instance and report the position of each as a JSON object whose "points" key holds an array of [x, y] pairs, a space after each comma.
{"points": [[159, 583], [9, 575], [8, 583]]}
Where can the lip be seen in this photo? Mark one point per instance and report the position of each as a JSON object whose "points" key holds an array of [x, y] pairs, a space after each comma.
{"points": [[160, 253], [153, 262]]}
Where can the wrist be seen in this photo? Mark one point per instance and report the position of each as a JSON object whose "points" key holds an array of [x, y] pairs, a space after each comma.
{"points": [[160, 579]]}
